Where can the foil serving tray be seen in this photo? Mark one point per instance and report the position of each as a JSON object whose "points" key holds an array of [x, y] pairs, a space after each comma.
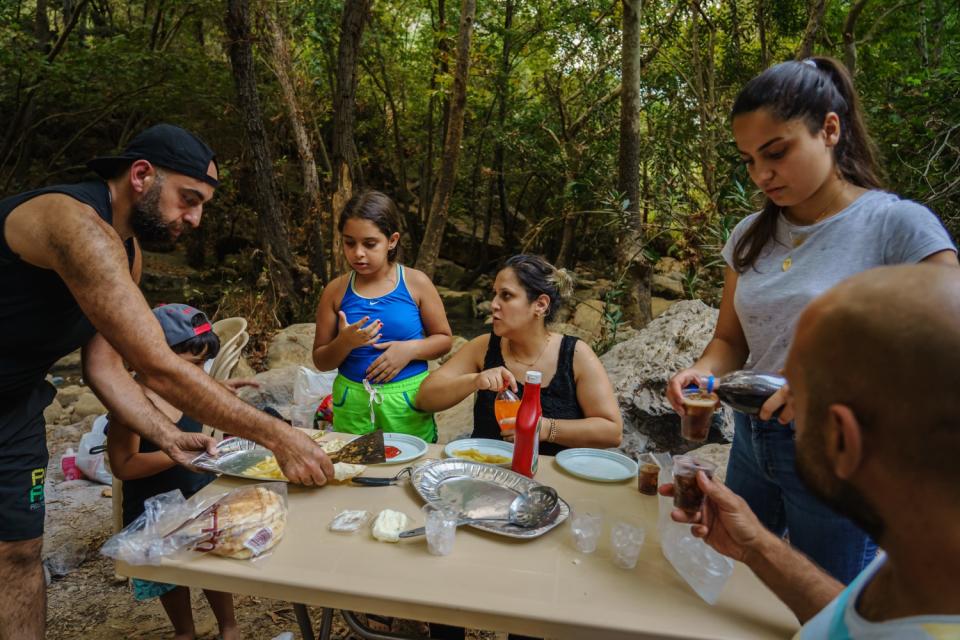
{"points": [[234, 456], [481, 490]]}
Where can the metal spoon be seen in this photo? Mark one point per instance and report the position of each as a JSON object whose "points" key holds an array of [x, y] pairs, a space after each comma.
{"points": [[528, 510]]}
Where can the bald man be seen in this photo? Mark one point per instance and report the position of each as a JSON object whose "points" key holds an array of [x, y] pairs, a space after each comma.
{"points": [[873, 376]]}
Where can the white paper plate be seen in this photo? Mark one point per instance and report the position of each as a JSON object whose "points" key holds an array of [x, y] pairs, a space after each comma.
{"points": [[411, 447], [597, 464], [486, 446]]}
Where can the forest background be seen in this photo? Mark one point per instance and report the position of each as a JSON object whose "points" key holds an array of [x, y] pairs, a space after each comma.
{"points": [[594, 132]]}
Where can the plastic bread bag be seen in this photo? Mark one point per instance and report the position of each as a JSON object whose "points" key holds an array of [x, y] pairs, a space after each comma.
{"points": [[242, 523], [703, 568]]}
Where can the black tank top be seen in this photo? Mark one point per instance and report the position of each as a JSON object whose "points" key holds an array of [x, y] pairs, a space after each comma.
{"points": [[558, 399], [135, 492], [40, 322]]}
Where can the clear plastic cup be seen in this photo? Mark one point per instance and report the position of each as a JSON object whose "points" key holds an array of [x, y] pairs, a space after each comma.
{"points": [[626, 540], [440, 521], [698, 407], [648, 476], [687, 494], [586, 524]]}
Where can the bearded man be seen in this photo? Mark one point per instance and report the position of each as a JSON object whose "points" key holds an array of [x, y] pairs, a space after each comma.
{"points": [[873, 374], [69, 268]]}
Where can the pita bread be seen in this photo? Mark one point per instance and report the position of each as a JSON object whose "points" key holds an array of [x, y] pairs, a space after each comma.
{"points": [[247, 522], [344, 471]]}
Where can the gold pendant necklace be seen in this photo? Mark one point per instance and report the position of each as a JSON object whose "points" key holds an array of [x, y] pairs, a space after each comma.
{"points": [[529, 364], [796, 242]]}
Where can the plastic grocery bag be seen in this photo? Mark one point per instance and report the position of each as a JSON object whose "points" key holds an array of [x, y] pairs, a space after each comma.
{"points": [[310, 387], [91, 458], [242, 523], [705, 570]]}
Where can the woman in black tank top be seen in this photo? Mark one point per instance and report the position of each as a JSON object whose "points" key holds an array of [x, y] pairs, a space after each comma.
{"points": [[579, 408]]}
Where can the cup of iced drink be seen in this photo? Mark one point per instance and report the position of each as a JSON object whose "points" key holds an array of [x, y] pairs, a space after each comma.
{"points": [[648, 478], [698, 407], [687, 494]]}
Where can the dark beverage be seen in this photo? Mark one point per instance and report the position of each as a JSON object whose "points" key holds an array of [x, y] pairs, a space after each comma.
{"points": [[698, 407], [649, 479], [745, 391], [687, 494]]}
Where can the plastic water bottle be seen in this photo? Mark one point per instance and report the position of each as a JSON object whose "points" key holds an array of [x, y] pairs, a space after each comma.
{"points": [[68, 464], [526, 444]]}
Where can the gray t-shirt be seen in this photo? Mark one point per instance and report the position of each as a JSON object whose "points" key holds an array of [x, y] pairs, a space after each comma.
{"points": [[878, 228]]}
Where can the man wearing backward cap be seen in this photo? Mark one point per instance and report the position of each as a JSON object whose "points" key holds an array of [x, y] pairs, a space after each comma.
{"points": [[69, 269]]}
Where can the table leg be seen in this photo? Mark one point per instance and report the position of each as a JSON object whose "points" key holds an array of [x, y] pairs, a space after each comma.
{"points": [[303, 621], [369, 634], [326, 623]]}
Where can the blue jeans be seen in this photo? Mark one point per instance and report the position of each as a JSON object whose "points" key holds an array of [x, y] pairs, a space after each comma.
{"points": [[761, 470]]}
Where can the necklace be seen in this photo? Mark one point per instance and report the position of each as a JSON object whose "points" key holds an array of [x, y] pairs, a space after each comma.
{"points": [[529, 364], [795, 242]]}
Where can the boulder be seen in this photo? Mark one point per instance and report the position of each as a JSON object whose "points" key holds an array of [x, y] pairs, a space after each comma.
{"points": [[668, 286], [669, 267], [456, 422], [659, 305], [589, 317], [276, 388], [69, 394], [458, 304], [458, 342], [292, 345], [484, 308], [68, 364], [87, 405], [716, 453], [53, 413], [640, 368], [572, 330], [448, 273], [243, 369]]}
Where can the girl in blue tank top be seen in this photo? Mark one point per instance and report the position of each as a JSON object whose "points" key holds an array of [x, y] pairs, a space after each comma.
{"points": [[378, 324]]}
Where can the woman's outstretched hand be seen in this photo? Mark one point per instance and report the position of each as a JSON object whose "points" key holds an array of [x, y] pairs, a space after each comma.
{"points": [[678, 382]]}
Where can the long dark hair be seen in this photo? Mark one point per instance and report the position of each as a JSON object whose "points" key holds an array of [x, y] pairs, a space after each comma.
{"points": [[808, 89], [375, 207]]}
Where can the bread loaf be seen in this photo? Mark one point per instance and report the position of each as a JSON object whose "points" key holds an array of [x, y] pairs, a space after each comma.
{"points": [[247, 522]]}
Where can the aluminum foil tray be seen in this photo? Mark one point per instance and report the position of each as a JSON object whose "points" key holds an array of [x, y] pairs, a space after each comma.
{"points": [[235, 456], [481, 490]]}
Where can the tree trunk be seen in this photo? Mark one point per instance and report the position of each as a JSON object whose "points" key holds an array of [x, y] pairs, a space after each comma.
{"points": [[762, 33], [503, 88], [273, 233], [850, 38], [439, 207], [631, 264], [817, 9], [282, 67], [346, 174]]}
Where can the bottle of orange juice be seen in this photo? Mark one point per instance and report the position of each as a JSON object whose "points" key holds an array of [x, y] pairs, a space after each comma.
{"points": [[506, 406]]}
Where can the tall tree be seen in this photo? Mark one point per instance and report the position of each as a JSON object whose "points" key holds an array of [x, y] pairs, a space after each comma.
{"points": [[503, 88], [815, 17], [272, 230], [630, 260], [347, 174], [283, 69], [439, 208]]}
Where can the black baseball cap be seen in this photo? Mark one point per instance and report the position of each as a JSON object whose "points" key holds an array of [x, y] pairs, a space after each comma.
{"points": [[164, 145]]}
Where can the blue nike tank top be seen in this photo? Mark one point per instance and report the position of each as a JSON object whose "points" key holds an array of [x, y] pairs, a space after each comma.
{"points": [[400, 316]]}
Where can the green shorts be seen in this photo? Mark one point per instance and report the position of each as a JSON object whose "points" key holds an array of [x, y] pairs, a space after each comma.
{"points": [[393, 407]]}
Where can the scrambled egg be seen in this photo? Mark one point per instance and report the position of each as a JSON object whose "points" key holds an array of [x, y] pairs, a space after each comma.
{"points": [[477, 456]]}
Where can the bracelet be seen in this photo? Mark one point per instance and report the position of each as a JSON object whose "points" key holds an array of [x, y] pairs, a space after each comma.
{"points": [[552, 435]]}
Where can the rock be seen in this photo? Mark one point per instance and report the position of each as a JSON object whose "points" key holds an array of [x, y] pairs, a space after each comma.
{"points": [[107, 492], [458, 342], [456, 422], [659, 305], [572, 330], [484, 308], [669, 267], [589, 316], [276, 389], [68, 364], [670, 286], [292, 345], [640, 368], [69, 394], [591, 289], [243, 369], [458, 304], [718, 454], [87, 405], [448, 274], [52, 414]]}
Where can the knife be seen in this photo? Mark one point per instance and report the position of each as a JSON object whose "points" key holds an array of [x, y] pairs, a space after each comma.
{"points": [[367, 449]]}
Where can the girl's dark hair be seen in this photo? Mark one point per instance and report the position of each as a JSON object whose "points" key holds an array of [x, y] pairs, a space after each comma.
{"points": [[808, 89], [538, 277], [207, 343], [375, 207]]}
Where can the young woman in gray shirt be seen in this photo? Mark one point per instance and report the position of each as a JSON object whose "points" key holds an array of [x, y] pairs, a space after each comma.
{"points": [[800, 132]]}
